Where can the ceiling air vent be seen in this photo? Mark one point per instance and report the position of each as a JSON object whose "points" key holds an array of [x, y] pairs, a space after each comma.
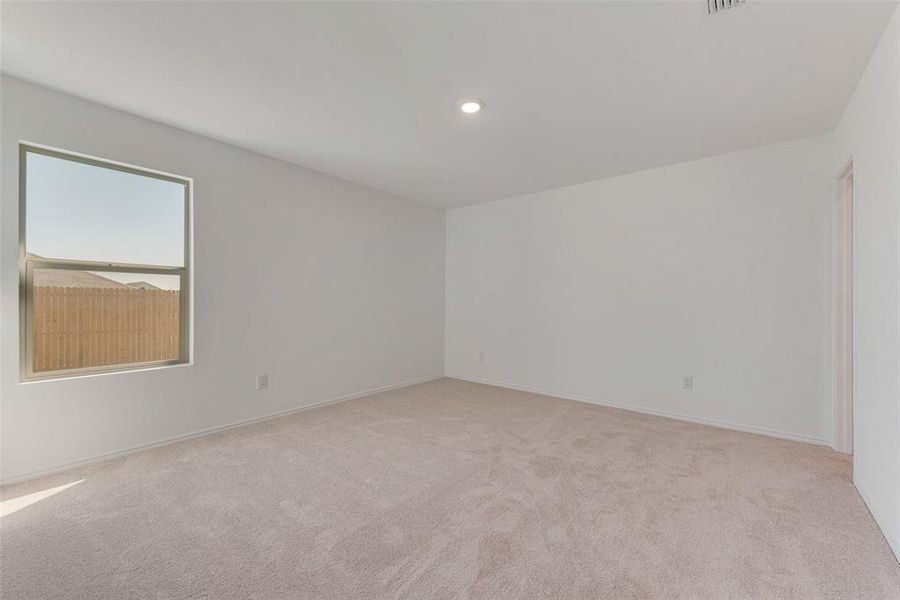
{"points": [[715, 6]]}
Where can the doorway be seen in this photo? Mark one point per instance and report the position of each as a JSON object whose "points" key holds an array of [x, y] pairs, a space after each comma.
{"points": [[843, 312]]}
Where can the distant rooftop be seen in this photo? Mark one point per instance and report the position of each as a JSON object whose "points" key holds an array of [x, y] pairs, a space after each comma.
{"points": [[70, 278], [86, 279]]}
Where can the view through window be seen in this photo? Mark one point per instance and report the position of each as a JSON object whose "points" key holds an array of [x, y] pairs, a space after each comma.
{"points": [[104, 265]]}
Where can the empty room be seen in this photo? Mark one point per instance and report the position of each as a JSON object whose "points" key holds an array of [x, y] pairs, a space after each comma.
{"points": [[450, 300]]}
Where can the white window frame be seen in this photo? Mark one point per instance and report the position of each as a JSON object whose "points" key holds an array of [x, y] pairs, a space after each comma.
{"points": [[27, 264]]}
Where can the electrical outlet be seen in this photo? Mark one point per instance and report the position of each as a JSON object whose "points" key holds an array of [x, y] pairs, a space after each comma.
{"points": [[262, 381], [687, 382]]}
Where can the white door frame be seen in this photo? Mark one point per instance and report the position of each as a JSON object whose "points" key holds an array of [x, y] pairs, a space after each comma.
{"points": [[842, 278]]}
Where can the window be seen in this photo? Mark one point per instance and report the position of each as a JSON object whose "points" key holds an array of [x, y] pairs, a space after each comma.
{"points": [[104, 265]]}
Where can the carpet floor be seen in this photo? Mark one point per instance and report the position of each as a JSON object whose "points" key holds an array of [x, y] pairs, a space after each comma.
{"points": [[451, 489]]}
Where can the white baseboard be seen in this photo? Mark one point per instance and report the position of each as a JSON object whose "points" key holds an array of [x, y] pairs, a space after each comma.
{"points": [[652, 411], [180, 438], [892, 538]]}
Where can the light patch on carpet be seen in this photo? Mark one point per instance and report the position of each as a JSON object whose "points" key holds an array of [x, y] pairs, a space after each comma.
{"points": [[8, 507]]}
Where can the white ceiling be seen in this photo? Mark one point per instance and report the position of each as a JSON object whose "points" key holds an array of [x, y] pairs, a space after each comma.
{"points": [[368, 91]]}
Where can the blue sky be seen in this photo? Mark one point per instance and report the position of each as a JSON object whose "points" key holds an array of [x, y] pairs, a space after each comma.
{"points": [[84, 212]]}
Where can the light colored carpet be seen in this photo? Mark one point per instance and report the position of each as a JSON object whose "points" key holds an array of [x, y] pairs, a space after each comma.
{"points": [[453, 490]]}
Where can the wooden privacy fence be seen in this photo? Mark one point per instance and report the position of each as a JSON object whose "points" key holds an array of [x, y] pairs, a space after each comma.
{"points": [[75, 327]]}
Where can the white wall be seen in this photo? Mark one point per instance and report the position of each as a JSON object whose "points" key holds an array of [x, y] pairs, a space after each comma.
{"points": [[869, 132], [610, 291], [330, 287]]}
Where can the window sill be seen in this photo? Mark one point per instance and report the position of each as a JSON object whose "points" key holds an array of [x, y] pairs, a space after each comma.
{"points": [[139, 368]]}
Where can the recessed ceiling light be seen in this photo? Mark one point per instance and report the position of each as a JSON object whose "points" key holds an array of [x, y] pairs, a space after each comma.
{"points": [[470, 106]]}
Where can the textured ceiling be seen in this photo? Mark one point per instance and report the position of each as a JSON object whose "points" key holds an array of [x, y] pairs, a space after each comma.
{"points": [[368, 91]]}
